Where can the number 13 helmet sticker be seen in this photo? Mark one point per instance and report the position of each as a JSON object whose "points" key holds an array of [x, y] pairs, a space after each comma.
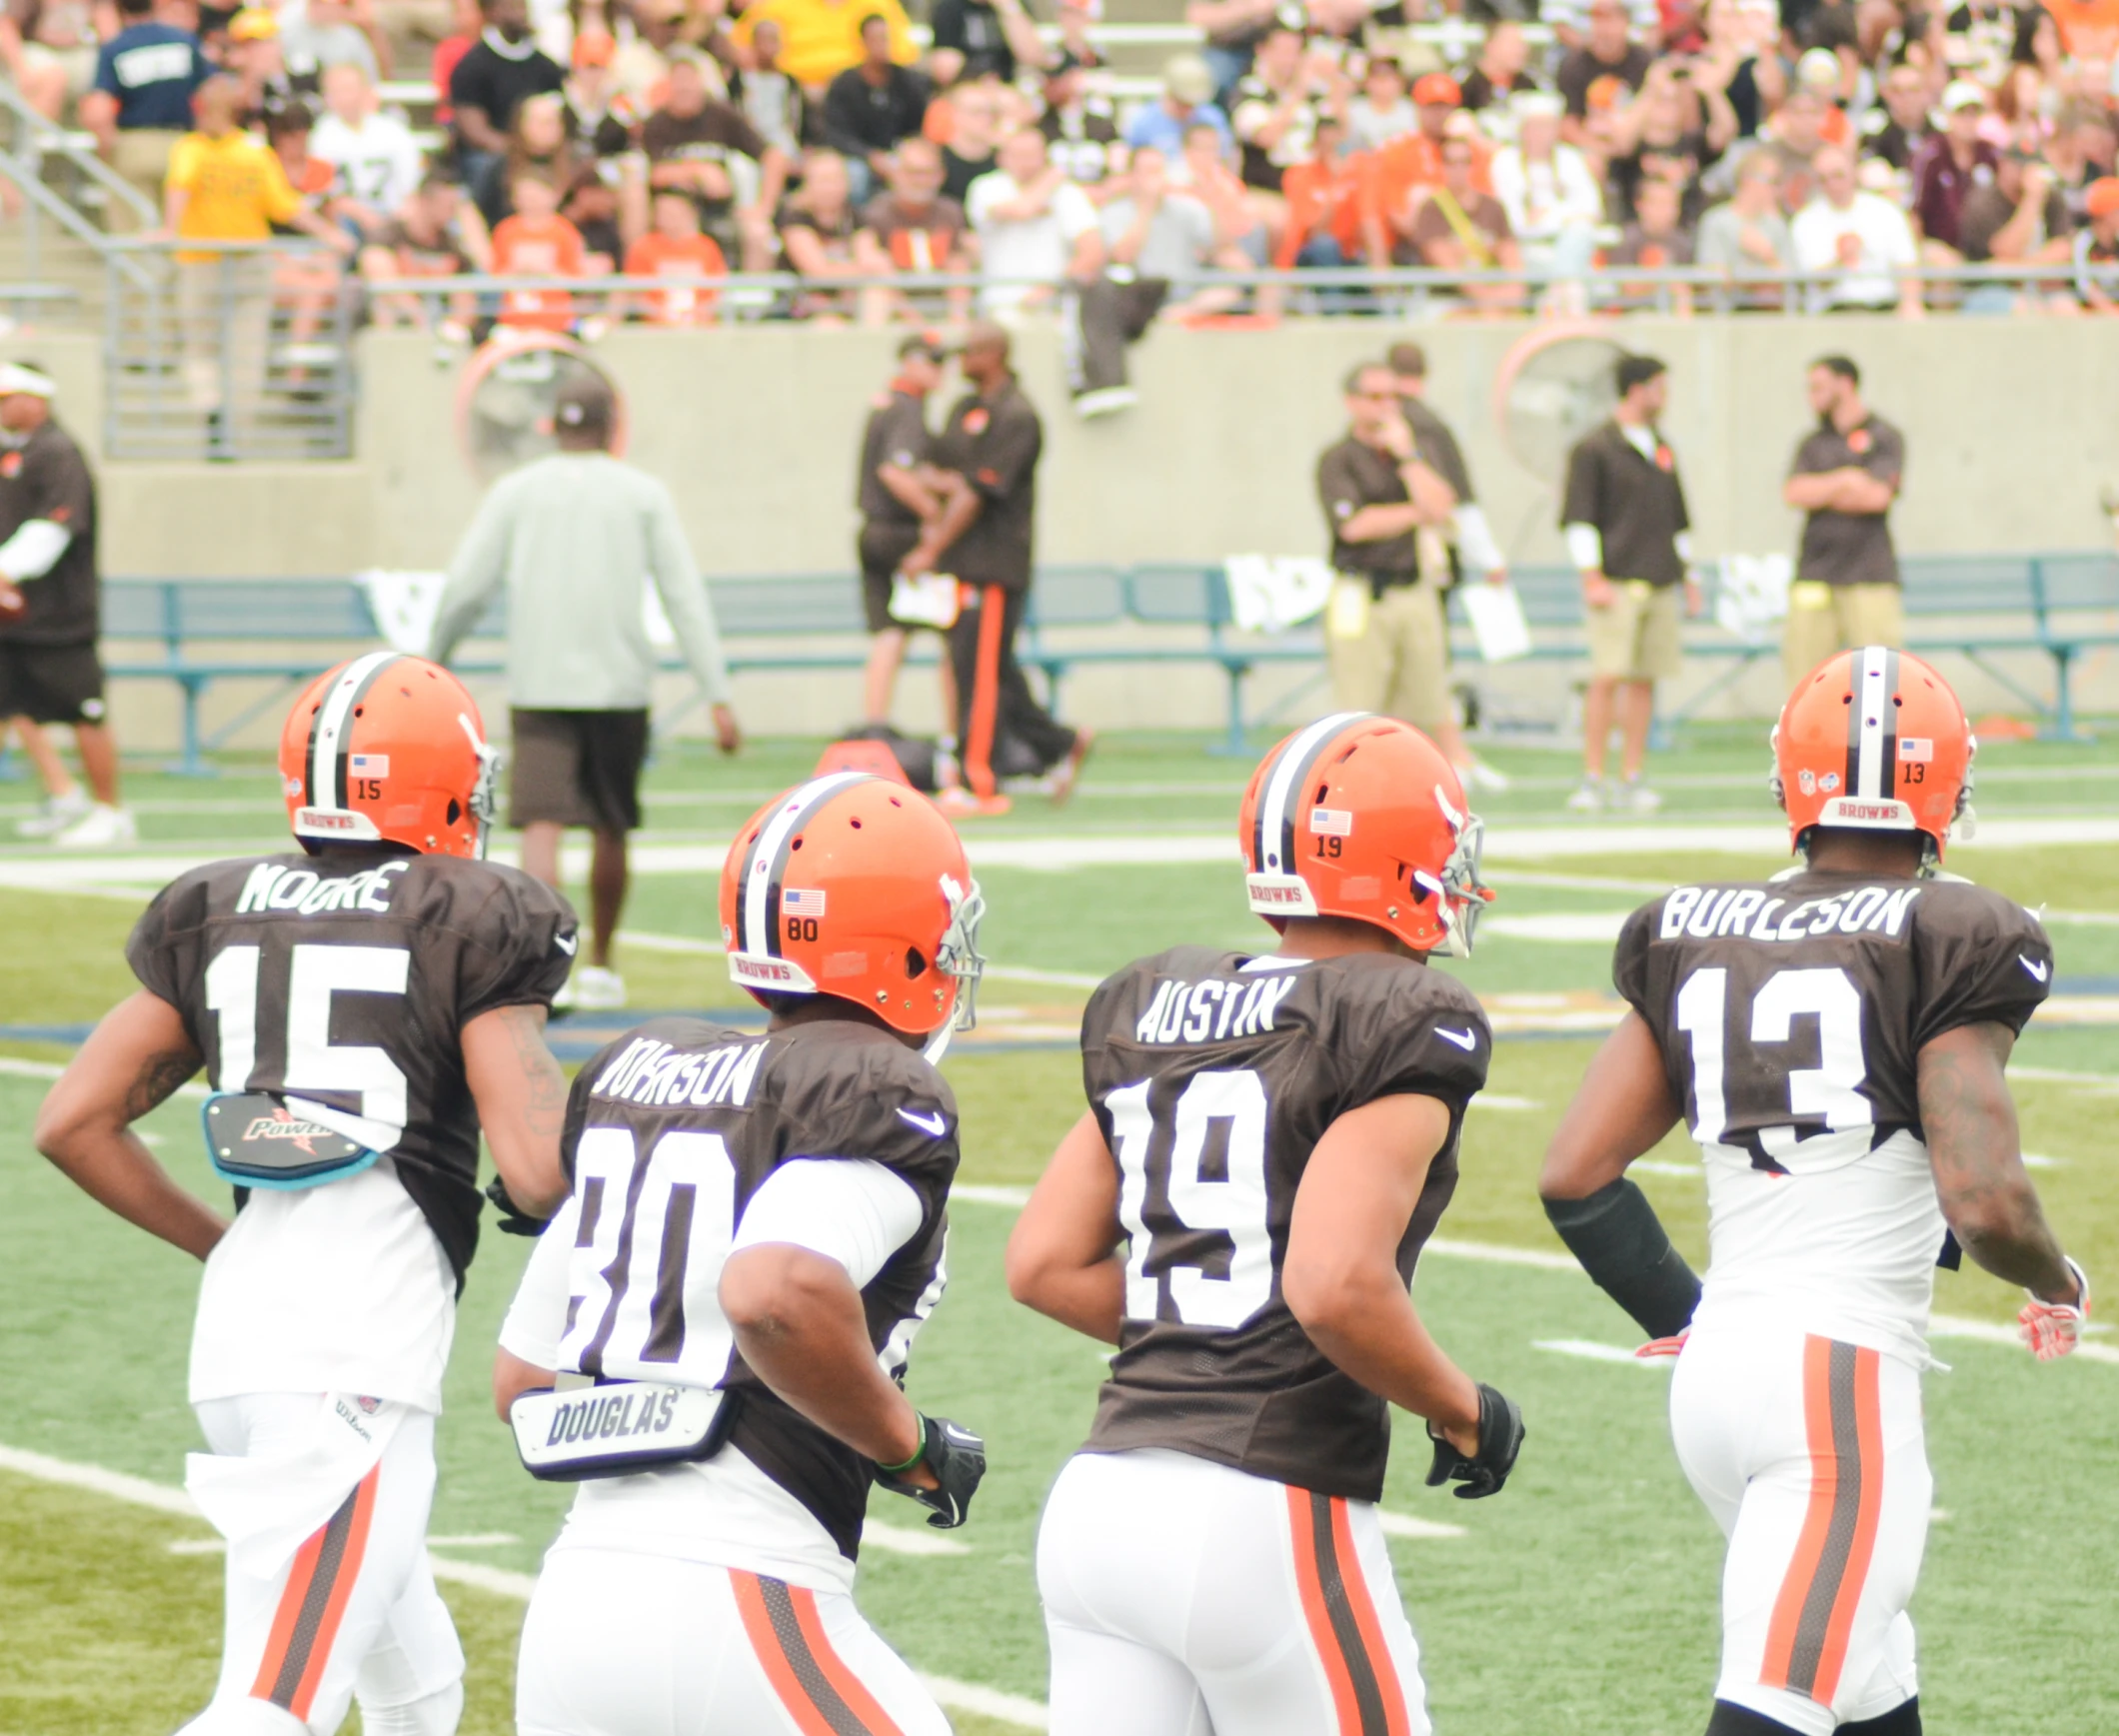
{"points": [[387, 748], [855, 887], [1363, 816], [1874, 739]]}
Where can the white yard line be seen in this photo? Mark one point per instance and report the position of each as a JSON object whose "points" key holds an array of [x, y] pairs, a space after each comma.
{"points": [[1405, 1525], [1590, 1351], [139, 1492]]}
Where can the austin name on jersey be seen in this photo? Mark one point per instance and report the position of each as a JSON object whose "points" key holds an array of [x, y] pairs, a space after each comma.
{"points": [[1749, 913], [1213, 1011], [274, 885], [648, 1070]]}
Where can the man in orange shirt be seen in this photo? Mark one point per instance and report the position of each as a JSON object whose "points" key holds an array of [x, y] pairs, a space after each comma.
{"points": [[676, 249], [1414, 162], [538, 242], [2089, 29], [1323, 195]]}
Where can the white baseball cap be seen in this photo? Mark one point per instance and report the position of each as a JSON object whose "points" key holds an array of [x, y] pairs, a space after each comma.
{"points": [[1962, 93], [19, 379]]}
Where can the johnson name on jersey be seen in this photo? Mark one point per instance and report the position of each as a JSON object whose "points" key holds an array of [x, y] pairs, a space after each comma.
{"points": [[1790, 1016], [346, 979], [671, 1132], [1212, 1076]]}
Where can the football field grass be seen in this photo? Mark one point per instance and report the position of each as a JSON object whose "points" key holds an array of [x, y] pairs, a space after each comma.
{"points": [[1581, 1600]]}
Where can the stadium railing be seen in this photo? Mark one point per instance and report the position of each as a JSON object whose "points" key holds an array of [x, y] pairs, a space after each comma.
{"points": [[280, 631]]}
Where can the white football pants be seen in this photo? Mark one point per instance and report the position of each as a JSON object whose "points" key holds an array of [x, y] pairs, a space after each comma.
{"points": [[316, 1615], [1184, 1599], [1810, 1456], [624, 1644]]}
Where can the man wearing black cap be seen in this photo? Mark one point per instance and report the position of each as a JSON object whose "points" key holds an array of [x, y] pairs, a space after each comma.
{"points": [[899, 494], [49, 673], [575, 537], [982, 536], [1629, 535]]}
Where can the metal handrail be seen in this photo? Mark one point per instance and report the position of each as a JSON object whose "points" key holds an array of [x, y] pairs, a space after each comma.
{"points": [[53, 141], [42, 199]]}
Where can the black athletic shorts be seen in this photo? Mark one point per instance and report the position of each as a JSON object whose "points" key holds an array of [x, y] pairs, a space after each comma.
{"points": [[576, 769], [51, 683], [883, 551]]}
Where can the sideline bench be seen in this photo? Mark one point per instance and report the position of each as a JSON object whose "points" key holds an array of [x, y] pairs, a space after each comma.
{"points": [[284, 631]]}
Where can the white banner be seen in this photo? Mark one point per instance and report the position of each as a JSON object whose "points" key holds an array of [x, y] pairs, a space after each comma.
{"points": [[1270, 593], [1752, 598]]}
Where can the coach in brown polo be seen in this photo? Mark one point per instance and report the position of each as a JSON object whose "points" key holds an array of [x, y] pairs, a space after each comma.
{"points": [[1629, 535], [1845, 475]]}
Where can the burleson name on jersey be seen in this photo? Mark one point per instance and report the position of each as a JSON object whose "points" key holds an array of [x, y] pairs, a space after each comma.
{"points": [[648, 1070], [276, 887], [1213, 1011], [1750, 912]]}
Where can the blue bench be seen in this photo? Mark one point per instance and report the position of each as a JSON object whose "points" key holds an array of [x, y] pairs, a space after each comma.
{"points": [[284, 631]]}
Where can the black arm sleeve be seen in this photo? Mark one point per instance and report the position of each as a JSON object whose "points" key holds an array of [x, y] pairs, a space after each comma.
{"points": [[1621, 1244]]}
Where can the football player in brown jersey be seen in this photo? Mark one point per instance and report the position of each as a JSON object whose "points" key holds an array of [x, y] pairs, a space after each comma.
{"points": [[1269, 1142], [1835, 1040], [364, 1007], [711, 1337]]}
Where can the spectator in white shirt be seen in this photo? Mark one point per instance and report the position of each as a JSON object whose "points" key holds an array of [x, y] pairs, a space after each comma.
{"points": [[1554, 203], [1161, 231], [1383, 111], [375, 156], [1035, 227], [1858, 242]]}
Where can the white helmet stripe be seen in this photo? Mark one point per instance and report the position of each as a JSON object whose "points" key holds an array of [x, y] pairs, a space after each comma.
{"points": [[327, 740], [1285, 786], [1877, 722], [758, 876]]}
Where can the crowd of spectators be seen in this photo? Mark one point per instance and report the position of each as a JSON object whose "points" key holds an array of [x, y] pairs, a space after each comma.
{"points": [[1831, 151]]}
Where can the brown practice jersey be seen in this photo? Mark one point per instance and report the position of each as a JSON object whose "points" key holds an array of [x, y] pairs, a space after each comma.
{"points": [[346, 980], [1800, 1005], [1212, 1076], [669, 1131]]}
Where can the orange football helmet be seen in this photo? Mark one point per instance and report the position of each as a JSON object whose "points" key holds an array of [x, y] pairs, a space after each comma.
{"points": [[854, 886], [387, 748], [1363, 816], [1874, 739]]}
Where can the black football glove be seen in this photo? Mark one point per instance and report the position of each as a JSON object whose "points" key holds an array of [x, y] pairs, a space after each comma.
{"points": [[514, 1219], [1500, 1439], [958, 1458]]}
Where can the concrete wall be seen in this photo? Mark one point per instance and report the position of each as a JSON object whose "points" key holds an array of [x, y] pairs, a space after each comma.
{"points": [[756, 430]]}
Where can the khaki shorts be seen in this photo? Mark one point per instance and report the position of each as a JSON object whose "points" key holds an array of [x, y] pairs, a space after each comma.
{"points": [[1634, 637], [1386, 653], [1823, 618]]}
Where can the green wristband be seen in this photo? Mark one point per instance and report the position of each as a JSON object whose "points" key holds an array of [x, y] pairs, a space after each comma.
{"points": [[919, 1453]]}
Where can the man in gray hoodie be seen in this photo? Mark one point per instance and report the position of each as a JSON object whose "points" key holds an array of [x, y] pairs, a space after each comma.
{"points": [[575, 538]]}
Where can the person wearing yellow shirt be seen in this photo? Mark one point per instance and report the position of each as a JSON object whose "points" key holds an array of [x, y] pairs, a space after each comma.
{"points": [[820, 39], [225, 186]]}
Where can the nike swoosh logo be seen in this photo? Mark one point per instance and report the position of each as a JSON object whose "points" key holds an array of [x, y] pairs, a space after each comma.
{"points": [[565, 942], [1464, 1040], [2038, 971], [932, 1123]]}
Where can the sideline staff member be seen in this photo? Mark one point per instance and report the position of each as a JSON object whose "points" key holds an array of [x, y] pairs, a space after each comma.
{"points": [[576, 537], [1385, 509], [1472, 545], [989, 450], [898, 497], [1629, 535], [49, 615], [1845, 475]]}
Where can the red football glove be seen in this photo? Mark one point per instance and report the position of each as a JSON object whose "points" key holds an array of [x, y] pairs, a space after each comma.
{"points": [[2052, 1330], [1656, 1347]]}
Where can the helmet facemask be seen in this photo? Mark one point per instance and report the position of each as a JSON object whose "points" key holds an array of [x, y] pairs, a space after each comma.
{"points": [[959, 956], [482, 803], [1461, 894]]}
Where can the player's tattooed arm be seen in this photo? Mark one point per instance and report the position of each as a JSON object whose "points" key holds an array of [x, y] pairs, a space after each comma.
{"points": [[522, 1102], [131, 1062], [1063, 1256], [1970, 1122]]}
